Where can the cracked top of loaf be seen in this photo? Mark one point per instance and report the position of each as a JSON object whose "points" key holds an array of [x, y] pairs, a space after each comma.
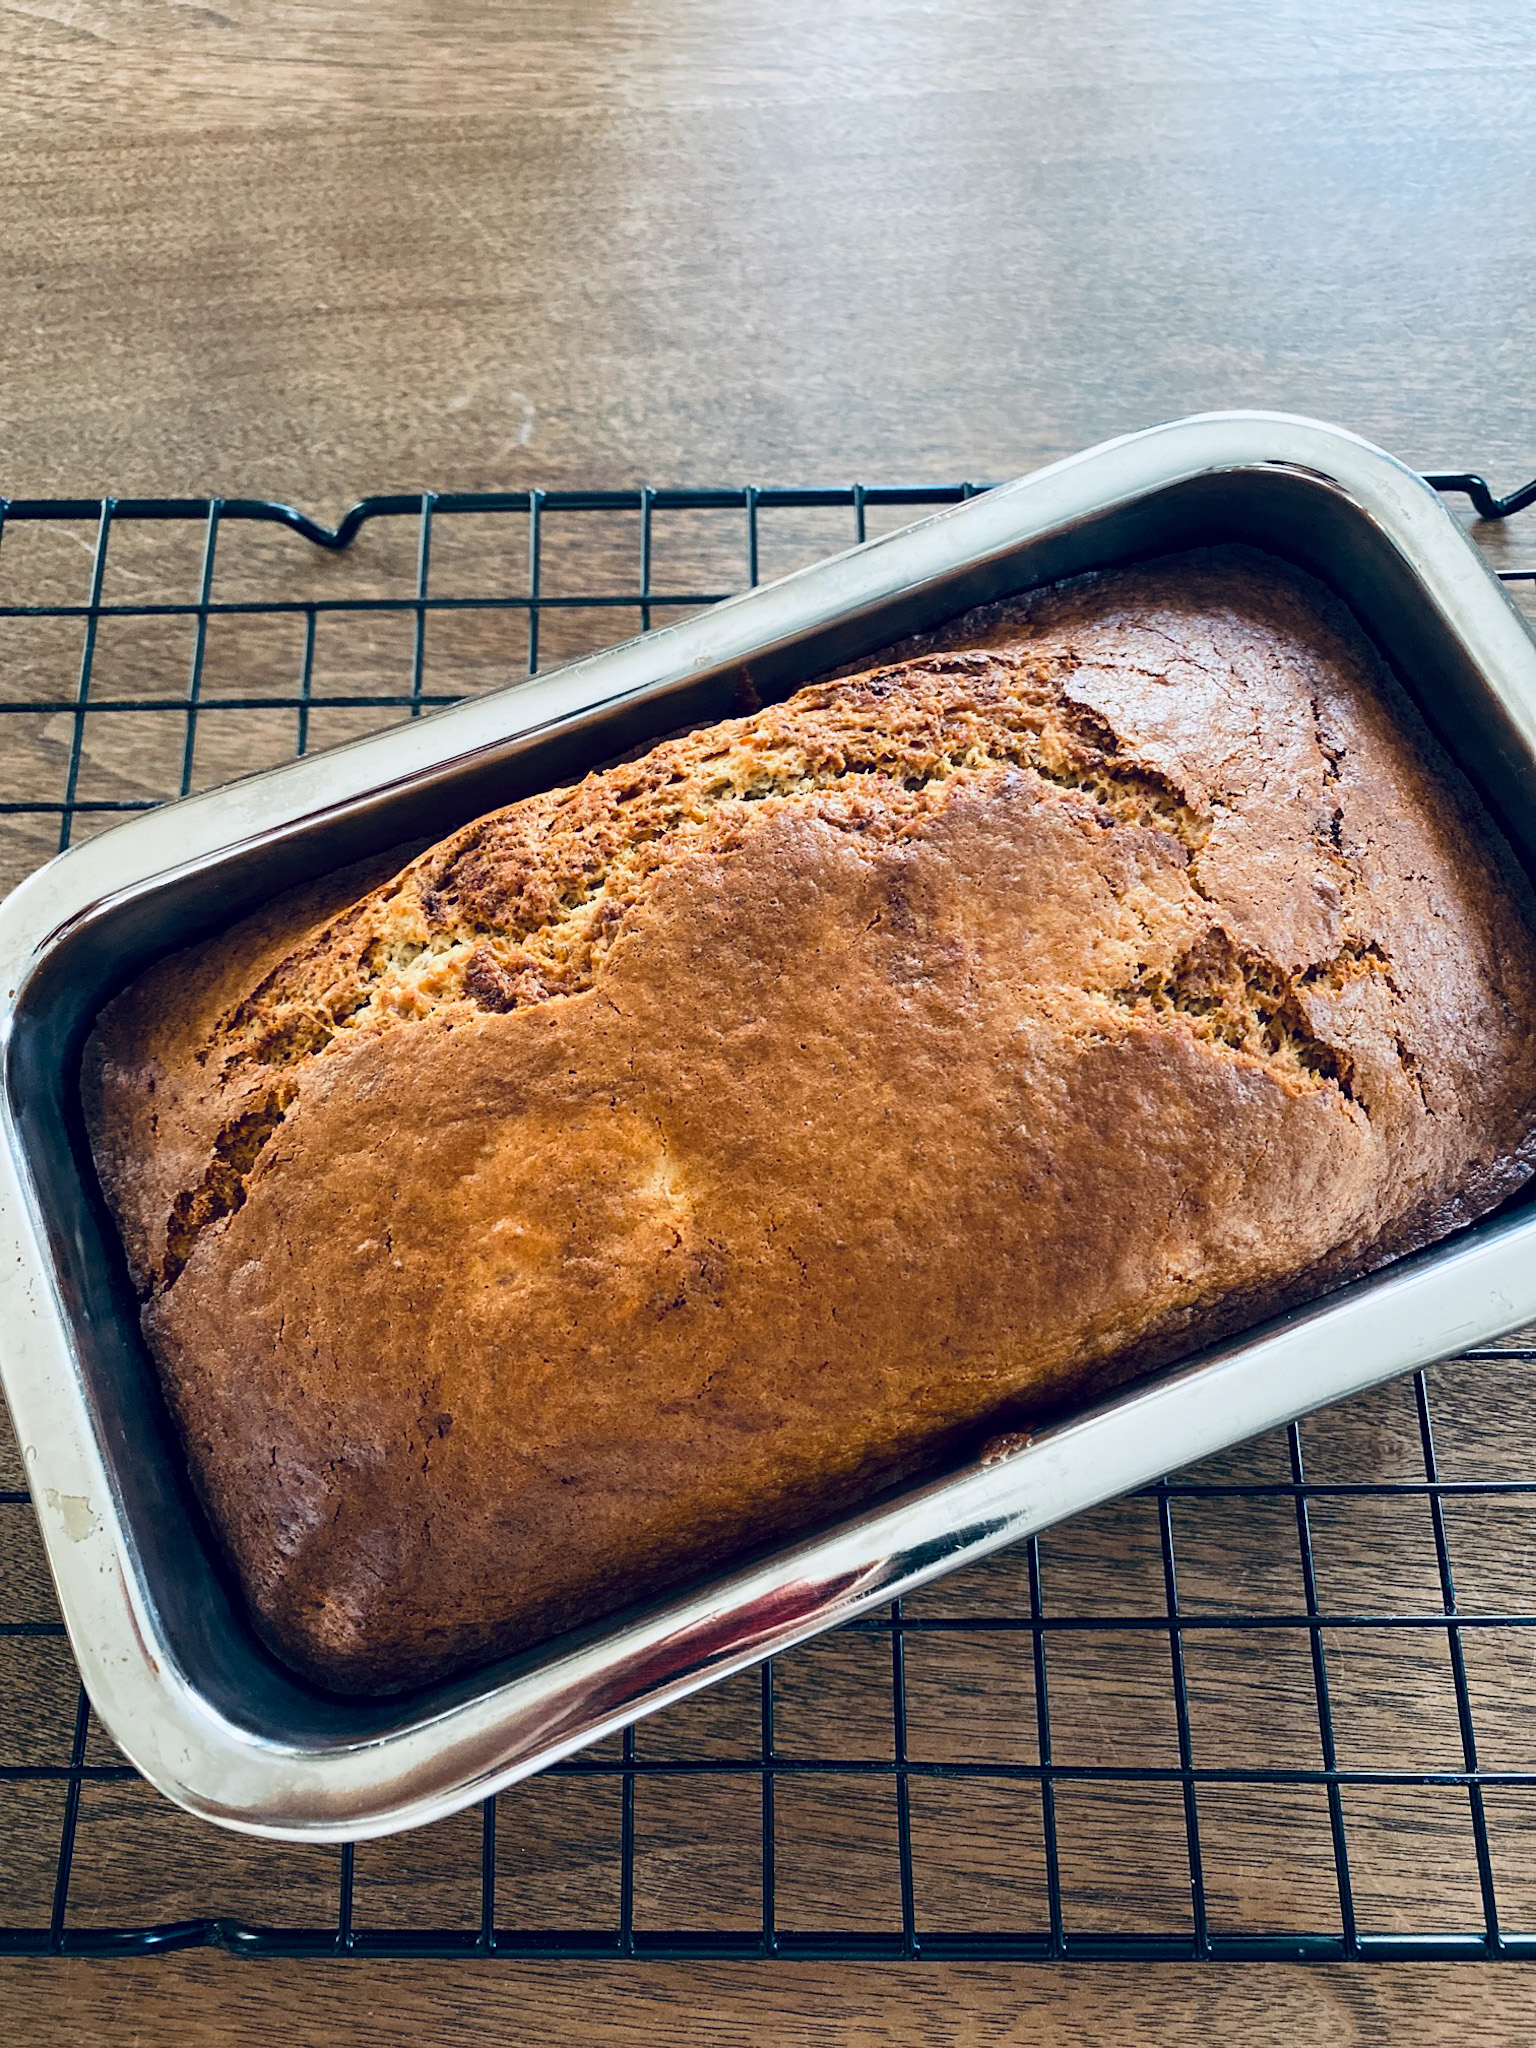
{"points": [[665, 1164]]}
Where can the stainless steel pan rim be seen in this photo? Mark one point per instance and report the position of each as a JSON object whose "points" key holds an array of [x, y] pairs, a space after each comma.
{"points": [[169, 1663]]}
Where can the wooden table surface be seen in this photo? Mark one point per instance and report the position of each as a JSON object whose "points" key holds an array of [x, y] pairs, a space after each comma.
{"points": [[312, 251]]}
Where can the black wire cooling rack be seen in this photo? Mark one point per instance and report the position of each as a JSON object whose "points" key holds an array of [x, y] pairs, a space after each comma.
{"points": [[1280, 1705]]}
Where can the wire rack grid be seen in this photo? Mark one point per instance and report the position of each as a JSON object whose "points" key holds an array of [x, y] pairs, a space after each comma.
{"points": [[1280, 1705]]}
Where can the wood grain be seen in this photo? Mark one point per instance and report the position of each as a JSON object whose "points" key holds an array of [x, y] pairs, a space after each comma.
{"points": [[310, 252], [313, 251], [207, 2001]]}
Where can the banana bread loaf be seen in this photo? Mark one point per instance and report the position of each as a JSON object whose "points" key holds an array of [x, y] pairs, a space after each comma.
{"points": [[666, 1164]]}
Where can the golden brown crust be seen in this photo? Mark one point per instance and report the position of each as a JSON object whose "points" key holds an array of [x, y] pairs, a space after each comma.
{"points": [[663, 1165]]}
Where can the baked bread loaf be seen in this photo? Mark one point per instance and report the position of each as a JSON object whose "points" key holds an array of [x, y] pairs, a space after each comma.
{"points": [[669, 1163]]}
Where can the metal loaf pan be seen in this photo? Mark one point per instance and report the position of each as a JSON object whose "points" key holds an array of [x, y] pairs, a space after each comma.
{"points": [[166, 1652]]}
